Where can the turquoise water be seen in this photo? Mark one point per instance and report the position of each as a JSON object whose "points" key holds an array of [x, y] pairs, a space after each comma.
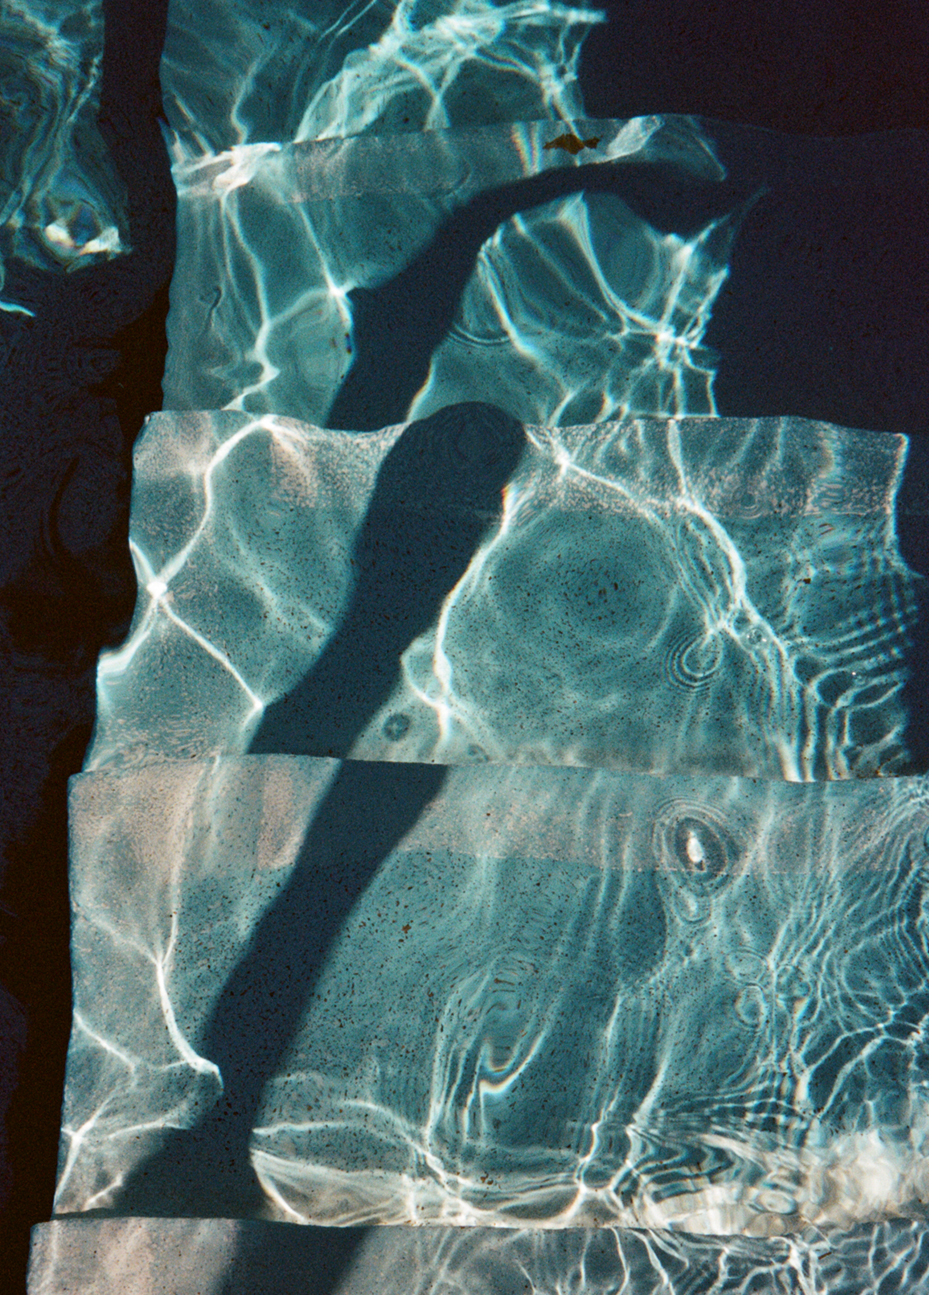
{"points": [[301, 263], [497, 815], [61, 200], [241, 77], [712, 595], [544, 997]]}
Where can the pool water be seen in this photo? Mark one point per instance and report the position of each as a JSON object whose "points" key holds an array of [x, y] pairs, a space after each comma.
{"points": [[505, 811]]}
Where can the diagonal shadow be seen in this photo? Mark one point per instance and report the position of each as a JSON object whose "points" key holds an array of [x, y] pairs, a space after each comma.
{"points": [[437, 493], [400, 320]]}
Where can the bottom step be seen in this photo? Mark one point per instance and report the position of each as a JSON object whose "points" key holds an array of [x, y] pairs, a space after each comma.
{"points": [[140, 1256], [384, 994]]}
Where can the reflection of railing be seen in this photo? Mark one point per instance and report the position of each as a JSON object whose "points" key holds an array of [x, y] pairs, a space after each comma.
{"points": [[496, 996], [437, 494], [407, 558]]}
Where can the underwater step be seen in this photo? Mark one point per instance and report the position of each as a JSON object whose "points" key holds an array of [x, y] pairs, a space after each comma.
{"points": [[171, 1256], [699, 595], [357, 993], [570, 272], [364, 281]]}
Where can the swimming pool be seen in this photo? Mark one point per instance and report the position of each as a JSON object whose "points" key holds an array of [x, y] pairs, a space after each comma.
{"points": [[502, 814]]}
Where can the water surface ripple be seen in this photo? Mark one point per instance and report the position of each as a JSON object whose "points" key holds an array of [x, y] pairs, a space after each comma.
{"points": [[672, 596], [565, 997]]}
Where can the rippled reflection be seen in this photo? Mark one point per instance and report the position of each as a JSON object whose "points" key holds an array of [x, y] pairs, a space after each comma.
{"points": [[703, 595], [889, 1257], [327, 69], [484, 262], [368, 181], [61, 201], [566, 997]]}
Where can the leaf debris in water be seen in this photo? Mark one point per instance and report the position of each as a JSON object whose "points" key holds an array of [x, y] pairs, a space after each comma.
{"points": [[572, 144]]}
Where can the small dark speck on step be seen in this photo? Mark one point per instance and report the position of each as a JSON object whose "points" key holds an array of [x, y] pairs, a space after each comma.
{"points": [[572, 144]]}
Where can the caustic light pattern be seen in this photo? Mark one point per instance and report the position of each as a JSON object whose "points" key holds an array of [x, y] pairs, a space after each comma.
{"points": [[301, 287], [683, 596], [326, 69], [386, 906], [488, 996], [125, 1257]]}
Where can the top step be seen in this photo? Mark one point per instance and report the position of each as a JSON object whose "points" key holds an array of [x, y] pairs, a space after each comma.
{"points": [[563, 270]]}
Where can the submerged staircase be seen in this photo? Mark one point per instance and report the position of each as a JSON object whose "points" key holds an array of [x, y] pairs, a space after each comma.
{"points": [[499, 849]]}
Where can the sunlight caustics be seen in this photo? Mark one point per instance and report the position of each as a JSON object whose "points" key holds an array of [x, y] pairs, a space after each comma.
{"points": [[329, 69], [490, 819], [266, 233], [601, 998], [479, 1261], [665, 596]]}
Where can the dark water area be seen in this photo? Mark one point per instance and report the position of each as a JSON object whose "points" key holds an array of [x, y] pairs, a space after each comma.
{"points": [[77, 381], [824, 315], [813, 69]]}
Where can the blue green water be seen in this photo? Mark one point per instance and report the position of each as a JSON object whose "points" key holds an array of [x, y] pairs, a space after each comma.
{"points": [[555, 997], [501, 812], [300, 284], [62, 202], [723, 596]]}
